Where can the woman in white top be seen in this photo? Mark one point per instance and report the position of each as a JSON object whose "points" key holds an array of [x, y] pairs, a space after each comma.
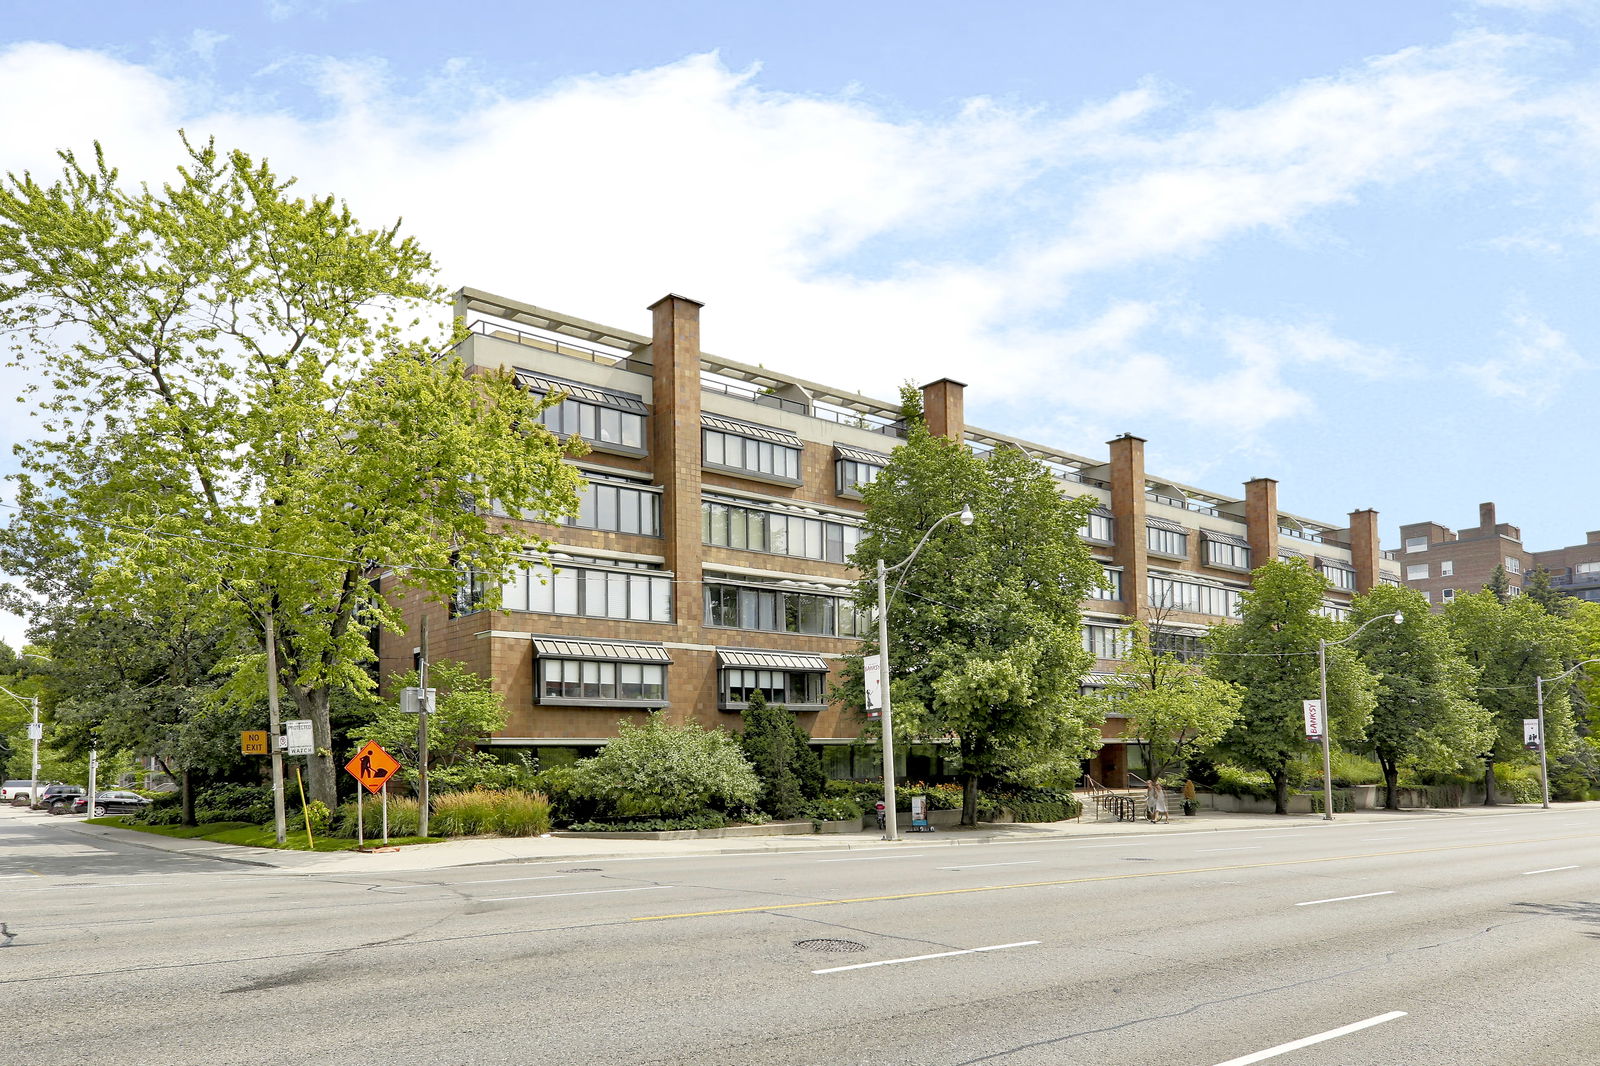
{"points": [[1155, 800]]}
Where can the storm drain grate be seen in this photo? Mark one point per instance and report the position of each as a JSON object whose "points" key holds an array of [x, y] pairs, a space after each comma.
{"points": [[831, 947]]}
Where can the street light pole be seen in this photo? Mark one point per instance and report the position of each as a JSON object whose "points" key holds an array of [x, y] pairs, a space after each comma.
{"points": [[1327, 720], [1544, 762], [890, 831]]}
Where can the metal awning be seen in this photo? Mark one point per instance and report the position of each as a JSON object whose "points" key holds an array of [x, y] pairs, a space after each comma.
{"points": [[1162, 523], [749, 429], [1334, 564], [860, 455], [1290, 553], [1225, 538], [1105, 512], [622, 401], [1101, 679], [771, 660], [601, 650]]}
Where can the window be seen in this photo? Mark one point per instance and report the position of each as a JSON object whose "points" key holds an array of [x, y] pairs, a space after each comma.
{"points": [[624, 682], [750, 455], [730, 524], [1110, 587], [1098, 527], [1341, 575], [1179, 643], [1174, 595], [1226, 553], [853, 474], [1426, 595], [1385, 579], [1513, 565], [1447, 595], [598, 425], [1336, 611], [592, 588], [1163, 541], [1105, 642], [779, 610], [1513, 591], [617, 507], [1587, 568], [791, 688], [1447, 568], [1416, 544], [1417, 572]]}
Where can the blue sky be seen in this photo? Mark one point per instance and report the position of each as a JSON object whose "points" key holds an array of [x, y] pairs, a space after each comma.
{"points": [[1349, 245]]}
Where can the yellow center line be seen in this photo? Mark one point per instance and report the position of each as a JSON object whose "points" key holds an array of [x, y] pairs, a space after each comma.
{"points": [[1104, 877]]}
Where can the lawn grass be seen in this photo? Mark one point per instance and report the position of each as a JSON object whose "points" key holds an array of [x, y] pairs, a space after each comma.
{"points": [[248, 835]]}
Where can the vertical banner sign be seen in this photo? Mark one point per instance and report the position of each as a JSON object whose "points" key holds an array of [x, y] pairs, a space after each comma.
{"points": [[1530, 734], [872, 679], [919, 811], [1314, 724], [298, 731]]}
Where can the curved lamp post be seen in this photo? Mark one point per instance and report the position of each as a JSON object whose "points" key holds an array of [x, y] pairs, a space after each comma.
{"points": [[1327, 720], [1544, 763], [889, 830]]}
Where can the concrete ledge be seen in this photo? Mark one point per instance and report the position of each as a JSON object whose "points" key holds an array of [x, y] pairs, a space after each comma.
{"points": [[771, 829]]}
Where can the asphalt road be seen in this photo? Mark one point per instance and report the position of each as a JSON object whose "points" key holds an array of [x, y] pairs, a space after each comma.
{"points": [[1454, 939]]}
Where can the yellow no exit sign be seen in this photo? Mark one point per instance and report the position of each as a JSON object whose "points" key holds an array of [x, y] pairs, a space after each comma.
{"points": [[253, 742]]}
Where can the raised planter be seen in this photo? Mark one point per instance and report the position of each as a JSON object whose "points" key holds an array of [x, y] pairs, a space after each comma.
{"points": [[771, 829], [937, 819]]}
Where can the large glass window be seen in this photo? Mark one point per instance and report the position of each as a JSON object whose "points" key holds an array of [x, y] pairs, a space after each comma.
{"points": [[1343, 577], [1221, 553], [1105, 642], [1586, 568], [734, 525], [1168, 542], [599, 425], [779, 610], [791, 688], [1110, 587], [1179, 643], [617, 507], [1417, 572], [1097, 527], [755, 456], [853, 474], [620, 590], [1513, 565], [575, 679], [1416, 544], [1174, 595]]}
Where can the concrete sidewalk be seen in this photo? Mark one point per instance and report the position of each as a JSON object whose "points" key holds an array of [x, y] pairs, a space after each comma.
{"points": [[479, 851]]}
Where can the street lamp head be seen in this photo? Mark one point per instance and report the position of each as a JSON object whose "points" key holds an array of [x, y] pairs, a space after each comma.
{"points": [[966, 515], [1399, 617]]}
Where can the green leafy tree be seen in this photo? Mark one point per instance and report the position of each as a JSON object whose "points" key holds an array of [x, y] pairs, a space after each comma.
{"points": [[1537, 588], [1509, 645], [780, 751], [467, 709], [1422, 710], [983, 628], [1174, 708], [1271, 653], [237, 398], [664, 771]]}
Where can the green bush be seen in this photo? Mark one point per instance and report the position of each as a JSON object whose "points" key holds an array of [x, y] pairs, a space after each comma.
{"points": [[316, 815], [507, 812], [570, 800], [698, 820], [664, 771], [1519, 784], [405, 818], [780, 752], [1237, 781], [166, 808], [1036, 804], [834, 809], [1351, 769], [483, 770], [235, 803], [1343, 800]]}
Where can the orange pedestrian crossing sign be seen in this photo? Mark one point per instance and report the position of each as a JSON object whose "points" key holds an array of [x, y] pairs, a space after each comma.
{"points": [[372, 766]]}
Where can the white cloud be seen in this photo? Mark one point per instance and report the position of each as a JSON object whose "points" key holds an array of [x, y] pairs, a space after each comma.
{"points": [[1534, 362]]}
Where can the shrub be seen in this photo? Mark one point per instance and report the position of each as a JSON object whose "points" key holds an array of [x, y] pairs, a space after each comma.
{"points": [[1343, 800], [166, 808], [570, 800], [316, 815], [1351, 769], [405, 818], [780, 752], [508, 812], [834, 809], [236, 803], [483, 770], [663, 771], [1237, 781], [698, 820], [1519, 784]]}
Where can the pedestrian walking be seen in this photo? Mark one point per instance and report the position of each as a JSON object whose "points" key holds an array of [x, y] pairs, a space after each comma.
{"points": [[1155, 801]]}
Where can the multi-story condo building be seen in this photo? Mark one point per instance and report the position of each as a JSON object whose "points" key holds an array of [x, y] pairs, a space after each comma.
{"points": [[708, 560], [1441, 563]]}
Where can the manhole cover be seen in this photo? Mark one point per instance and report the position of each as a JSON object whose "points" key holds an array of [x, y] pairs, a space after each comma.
{"points": [[832, 947], [582, 870]]}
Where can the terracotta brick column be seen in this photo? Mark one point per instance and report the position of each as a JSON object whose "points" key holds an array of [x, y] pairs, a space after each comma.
{"points": [[944, 408], [1364, 548], [1128, 513], [1261, 519], [675, 446]]}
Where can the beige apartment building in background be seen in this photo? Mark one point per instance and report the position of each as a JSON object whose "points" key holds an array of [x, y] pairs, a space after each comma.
{"points": [[723, 501]]}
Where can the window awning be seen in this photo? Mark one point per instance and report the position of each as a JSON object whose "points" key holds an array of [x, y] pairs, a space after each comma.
{"points": [[602, 650], [771, 660], [860, 455], [749, 429], [1225, 538], [1334, 564], [1105, 512], [621, 401], [1162, 523], [1100, 680]]}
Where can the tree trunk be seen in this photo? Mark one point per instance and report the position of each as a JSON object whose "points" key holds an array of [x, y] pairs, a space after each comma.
{"points": [[969, 800], [1391, 782], [320, 782], [1280, 791], [186, 788], [1490, 797]]}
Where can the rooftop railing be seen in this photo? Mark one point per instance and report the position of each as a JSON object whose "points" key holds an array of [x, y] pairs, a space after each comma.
{"points": [[544, 343], [1186, 505], [765, 399], [1301, 534]]}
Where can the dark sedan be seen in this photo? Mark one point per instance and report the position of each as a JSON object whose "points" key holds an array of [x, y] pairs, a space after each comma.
{"points": [[112, 803]]}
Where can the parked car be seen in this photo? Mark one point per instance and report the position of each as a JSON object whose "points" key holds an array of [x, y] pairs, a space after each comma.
{"points": [[16, 792], [112, 803], [53, 796]]}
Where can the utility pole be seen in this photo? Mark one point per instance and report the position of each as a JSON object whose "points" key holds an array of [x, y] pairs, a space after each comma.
{"points": [[279, 822], [422, 733]]}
